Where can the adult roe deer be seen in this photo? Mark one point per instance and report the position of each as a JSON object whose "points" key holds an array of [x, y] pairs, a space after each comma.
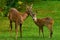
{"points": [[40, 22], [18, 18]]}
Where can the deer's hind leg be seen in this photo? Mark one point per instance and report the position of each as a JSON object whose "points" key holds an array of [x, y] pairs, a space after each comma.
{"points": [[16, 29], [50, 29]]}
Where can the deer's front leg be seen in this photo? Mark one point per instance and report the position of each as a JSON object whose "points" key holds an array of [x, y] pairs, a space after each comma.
{"points": [[39, 31], [42, 31], [21, 30], [10, 28], [16, 29]]}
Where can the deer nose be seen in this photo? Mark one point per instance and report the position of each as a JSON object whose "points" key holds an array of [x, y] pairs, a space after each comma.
{"points": [[33, 18]]}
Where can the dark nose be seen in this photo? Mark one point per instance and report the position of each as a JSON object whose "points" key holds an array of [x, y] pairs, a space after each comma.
{"points": [[33, 18]]}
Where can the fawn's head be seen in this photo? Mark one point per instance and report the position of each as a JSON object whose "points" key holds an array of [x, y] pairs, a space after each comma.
{"points": [[34, 17]]}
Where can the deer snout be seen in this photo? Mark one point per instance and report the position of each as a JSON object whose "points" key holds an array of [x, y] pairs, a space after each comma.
{"points": [[34, 18]]}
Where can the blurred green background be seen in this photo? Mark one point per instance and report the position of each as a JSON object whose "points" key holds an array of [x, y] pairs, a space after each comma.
{"points": [[44, 8]]}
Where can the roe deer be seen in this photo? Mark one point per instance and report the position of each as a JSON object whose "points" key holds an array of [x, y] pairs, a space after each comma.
{"points": [[18, 18], [43, 22]]}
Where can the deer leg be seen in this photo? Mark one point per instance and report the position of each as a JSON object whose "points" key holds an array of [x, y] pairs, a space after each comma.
{"points": [[21, 30], [16, 29], [51, 31], [10, 27], [42, 31], [39, 31]]}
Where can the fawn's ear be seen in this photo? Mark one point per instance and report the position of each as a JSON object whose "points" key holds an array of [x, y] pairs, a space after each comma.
{"points": [[36, 11], [35, 14]]}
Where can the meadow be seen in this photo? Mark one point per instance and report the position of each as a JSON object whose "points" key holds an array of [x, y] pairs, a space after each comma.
{"points": [[30, 30]]}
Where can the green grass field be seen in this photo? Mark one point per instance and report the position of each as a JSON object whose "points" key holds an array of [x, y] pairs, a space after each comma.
{"points": [[30, 30]]}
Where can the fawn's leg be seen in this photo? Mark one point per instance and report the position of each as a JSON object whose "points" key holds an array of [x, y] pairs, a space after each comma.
{"points": [[42, 32], [21, 30], [39, 31], [16, 29], [50, 29]]}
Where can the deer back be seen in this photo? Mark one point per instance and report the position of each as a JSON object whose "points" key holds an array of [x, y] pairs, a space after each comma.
{"points": [[48, 20], [14, 14]]}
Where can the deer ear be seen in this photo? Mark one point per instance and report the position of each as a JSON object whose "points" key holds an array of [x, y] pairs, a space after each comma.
{"points": [[31, 5], [27, 6], [34, 13]]}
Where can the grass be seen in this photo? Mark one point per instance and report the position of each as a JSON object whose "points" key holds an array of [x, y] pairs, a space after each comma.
{"points": [[30, 30]]}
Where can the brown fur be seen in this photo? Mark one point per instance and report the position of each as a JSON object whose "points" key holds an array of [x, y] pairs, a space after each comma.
{"points": [[18, 18], [44, 22]]}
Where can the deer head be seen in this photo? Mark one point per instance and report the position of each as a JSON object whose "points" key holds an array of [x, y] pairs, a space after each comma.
{"points": [[29, 9], [30, 12], [34, 17]]}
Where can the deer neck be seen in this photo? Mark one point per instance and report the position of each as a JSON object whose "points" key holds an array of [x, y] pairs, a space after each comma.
{"points": [[24, 16]]}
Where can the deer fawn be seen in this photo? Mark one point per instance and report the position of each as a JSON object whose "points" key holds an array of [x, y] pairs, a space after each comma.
{"points": [[18, 18], [43, 22]]}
